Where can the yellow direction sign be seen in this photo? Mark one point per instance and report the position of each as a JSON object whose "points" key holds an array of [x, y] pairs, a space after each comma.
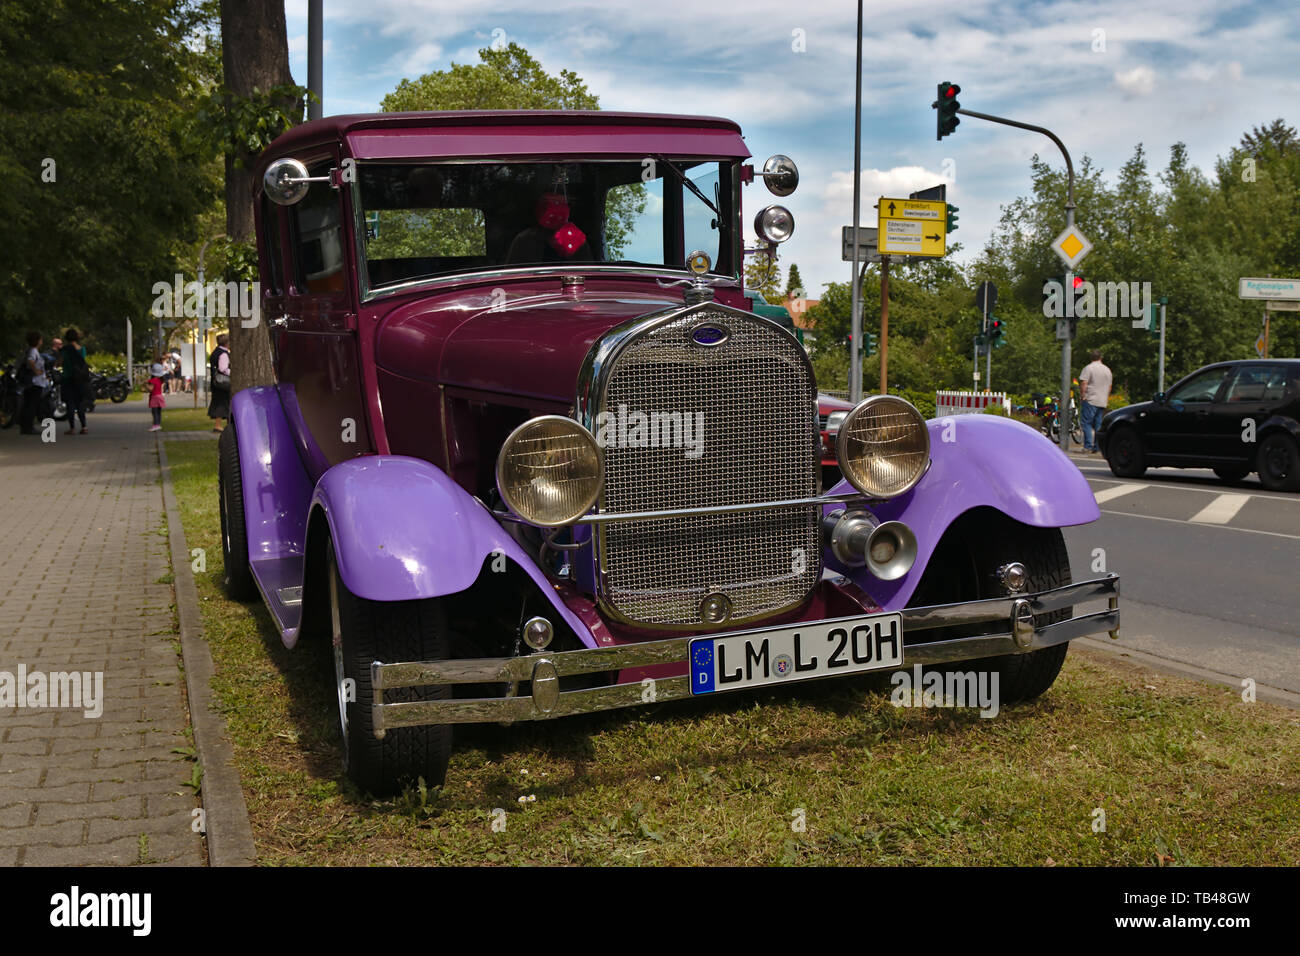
{"points": [[912, 227]]}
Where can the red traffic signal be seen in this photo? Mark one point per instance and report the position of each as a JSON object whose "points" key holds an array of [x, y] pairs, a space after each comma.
{"points": [[947, 107]]}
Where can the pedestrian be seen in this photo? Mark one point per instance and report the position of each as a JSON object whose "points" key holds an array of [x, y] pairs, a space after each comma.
{"points": [[1095, 381], [32, 375], [76, 379], [157, 400], [219, 376]]}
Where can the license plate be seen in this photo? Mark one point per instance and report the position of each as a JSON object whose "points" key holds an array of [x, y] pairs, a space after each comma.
{"points": [[784, 654]]}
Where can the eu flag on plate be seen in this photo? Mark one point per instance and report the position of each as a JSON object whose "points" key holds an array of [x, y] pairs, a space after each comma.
{"points": [[702, 666]]}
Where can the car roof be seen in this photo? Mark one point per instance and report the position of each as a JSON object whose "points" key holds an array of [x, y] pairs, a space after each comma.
{"points": [[332, 128]]}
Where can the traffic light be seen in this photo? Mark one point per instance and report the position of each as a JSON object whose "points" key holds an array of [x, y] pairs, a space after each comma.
{"points": [[996, 332], [952, 218], [869, 340], [947, 106], [1079, 292]]}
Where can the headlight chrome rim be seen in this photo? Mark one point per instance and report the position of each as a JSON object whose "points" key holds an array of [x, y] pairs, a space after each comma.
{"points": [[845, 435], [581, 435]]}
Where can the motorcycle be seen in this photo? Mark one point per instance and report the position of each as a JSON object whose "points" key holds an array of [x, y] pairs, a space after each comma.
{"points": [[113, 387], [1047, 410], [11, 397]]}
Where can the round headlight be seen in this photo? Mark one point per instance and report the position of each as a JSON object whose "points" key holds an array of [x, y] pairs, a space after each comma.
{"points": [[774, 224], [549, 471], [883, 446]]}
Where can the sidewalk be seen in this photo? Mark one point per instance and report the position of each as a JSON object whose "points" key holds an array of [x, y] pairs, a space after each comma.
{"points": [[85, 586]]}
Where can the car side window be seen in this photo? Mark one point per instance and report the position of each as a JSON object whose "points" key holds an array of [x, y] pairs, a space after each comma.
{"points": [[1250, 384], [318, 237], [1201, 387]]}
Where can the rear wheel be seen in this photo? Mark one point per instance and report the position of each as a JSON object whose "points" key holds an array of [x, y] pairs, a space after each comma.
{"points": [[965, 567], [237, 574], [1125, 454], [366, 631], [1279, 463], [118, 392]]}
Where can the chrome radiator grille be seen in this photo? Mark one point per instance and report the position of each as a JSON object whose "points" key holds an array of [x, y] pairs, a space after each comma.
{"points": [[756, 399]]}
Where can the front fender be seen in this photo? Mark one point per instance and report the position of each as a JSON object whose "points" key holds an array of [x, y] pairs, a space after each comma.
{"points": [[403, 530], [978, 461]]}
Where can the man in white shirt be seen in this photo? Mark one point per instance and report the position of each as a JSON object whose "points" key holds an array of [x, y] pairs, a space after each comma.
{"points": [[1094, 381]]}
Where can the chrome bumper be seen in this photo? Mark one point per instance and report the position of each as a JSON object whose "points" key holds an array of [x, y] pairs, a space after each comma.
{"points": [[1011, 631]]}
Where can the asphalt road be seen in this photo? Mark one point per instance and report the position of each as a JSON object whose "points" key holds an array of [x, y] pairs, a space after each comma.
{"points": [[1209, 571]]}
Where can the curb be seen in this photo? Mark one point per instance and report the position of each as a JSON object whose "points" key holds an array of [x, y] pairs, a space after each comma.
{"points": [[1273, 695], [229, 834]]}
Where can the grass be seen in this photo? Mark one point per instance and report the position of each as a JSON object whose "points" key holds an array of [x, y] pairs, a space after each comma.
{"points": [[180, 417], [1186, 773]]}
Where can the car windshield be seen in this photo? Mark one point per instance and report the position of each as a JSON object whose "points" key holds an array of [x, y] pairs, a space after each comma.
{"points": [[433, 219]]}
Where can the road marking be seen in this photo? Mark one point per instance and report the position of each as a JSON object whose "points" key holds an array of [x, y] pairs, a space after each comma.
{"points": [[1225, 527], [1109, 494], [1221, 510], [1175, 484]]}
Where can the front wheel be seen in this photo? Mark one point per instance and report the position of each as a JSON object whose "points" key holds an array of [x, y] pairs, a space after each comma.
{"points": [[1279, 463], [365, 631], [965, 567], [8, 409], [1125, 454]]}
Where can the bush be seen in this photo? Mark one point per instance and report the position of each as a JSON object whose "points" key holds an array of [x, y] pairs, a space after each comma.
{"points": [[1117, 400], [995, 409], [106, 363], [924, 401]]}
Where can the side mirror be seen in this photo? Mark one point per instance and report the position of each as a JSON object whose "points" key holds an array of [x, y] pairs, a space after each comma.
{"points": [[1158, 398], [780, 175], [285, 181]]}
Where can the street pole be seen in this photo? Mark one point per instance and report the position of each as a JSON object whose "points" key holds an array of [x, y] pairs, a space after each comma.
{"points": [[1066, 358], [884, 325], [1266, 333], [855, 338], [988, 360], [975, 373], [1161, 384], [130, 369], [315, 32]]}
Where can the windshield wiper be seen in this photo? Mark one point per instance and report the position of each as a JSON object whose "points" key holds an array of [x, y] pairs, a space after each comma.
{"points": [[689, 185]]}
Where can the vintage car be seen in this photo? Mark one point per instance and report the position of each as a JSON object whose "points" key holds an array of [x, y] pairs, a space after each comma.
{"points": [[529, 455]]}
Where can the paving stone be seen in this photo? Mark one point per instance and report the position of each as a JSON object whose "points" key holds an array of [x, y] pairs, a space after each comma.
{"points": [[89, 600]]}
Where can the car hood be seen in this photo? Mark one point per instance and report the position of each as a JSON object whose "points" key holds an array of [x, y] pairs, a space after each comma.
{"points": [[1130, 411], [531, 347]]}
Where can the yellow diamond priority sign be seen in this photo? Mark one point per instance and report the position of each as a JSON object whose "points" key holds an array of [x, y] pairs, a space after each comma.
{"points": [[1071, 245]]}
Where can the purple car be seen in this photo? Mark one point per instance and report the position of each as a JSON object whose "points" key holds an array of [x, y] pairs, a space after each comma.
{"points": [[529, 453]]}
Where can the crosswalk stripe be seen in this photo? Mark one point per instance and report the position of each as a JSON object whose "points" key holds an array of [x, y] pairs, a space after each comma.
{"points": [[1110, 494], [1221, 510]]}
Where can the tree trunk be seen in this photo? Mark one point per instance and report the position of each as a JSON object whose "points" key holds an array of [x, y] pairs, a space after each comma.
{"points": [[254, 54]]}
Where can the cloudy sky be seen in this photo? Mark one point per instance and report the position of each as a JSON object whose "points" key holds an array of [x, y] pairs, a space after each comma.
{"points": [[1104, 74]]}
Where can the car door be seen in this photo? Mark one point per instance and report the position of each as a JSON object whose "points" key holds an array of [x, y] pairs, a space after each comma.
{"points": [[1175, 427], [318, 361], [1246, 403]]}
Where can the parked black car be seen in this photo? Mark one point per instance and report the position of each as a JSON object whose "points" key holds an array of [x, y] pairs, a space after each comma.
{"points": [[1233, 417]]}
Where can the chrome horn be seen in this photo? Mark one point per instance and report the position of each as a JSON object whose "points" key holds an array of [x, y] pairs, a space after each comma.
{"points": [[887, 549]]}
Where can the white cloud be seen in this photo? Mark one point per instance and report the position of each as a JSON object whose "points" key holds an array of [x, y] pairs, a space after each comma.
{"points": [[898, 181], [425, 58], [1138, 81]]}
